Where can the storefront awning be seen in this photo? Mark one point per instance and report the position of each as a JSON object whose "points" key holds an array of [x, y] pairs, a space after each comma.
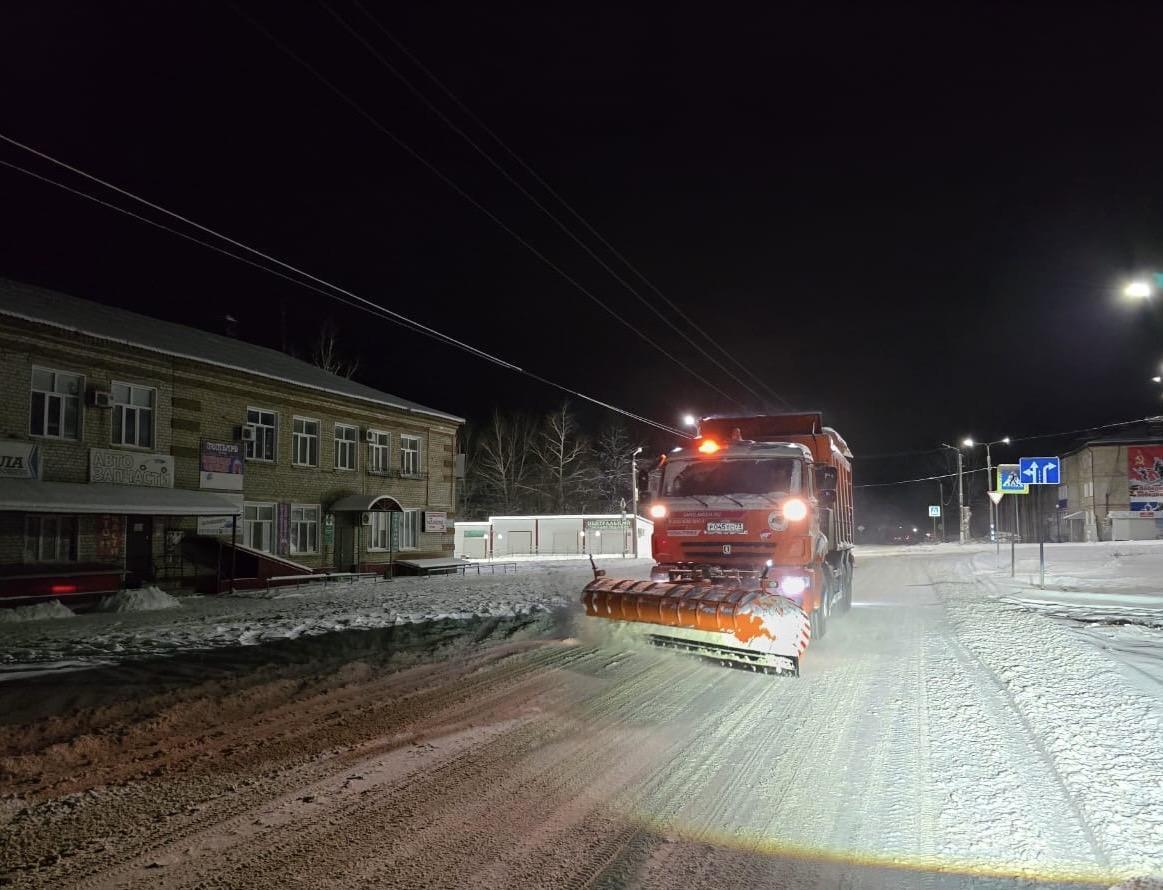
{"points": [[362, 503], [32, 496]]}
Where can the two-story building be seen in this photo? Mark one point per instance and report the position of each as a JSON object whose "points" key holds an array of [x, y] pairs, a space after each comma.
{"points": [[134, 443], [1112, 487]]}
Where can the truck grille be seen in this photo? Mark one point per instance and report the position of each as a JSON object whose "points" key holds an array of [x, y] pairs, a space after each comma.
{"points": [[708, 551]]}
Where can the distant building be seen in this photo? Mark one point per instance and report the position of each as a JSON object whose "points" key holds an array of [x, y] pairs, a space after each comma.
{"points": [[552, 535], [1113, 488], [141, 445]]}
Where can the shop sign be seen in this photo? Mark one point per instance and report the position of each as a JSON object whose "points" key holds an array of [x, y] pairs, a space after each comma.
{"points": [[220, 465], [131, 468], [19, 460], [110, 535], [474, 533], [435, 521], [605, 525], [283, 520]]}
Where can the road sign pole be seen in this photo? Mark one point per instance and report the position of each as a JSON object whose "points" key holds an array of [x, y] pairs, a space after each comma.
{"points": [[1041, 541], [992, 506], [960, 501], [1013, 542]]}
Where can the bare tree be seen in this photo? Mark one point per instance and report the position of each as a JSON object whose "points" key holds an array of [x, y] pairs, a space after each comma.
{"points": [[501, 465], [327, 354], [564, 460], [614, 454]]}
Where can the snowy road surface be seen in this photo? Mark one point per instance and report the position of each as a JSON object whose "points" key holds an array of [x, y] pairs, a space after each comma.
{"points": [[956, 729]]}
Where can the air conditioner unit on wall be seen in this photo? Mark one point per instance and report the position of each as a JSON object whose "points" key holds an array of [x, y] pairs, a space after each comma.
{"points": [[369, 435], [365, 519], [247, 434], [100, 398]]}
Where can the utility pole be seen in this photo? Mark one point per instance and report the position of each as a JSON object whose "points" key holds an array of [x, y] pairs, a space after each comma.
{"points": [[989, 487], [941, 503], [960, 498], [634, 500]]}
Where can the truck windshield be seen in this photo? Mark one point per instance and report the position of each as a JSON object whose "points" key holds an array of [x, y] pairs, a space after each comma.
{"points": [[767, 476]]}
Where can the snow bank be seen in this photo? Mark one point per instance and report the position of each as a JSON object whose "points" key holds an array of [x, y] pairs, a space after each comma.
{"points": [[146, 599], [35, 612]]}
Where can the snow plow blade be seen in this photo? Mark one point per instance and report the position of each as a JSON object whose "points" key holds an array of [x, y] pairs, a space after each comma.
{"points": [[727, 622]]}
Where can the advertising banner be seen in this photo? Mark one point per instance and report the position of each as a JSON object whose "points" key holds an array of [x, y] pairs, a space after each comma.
{"points": [[604, 525], [435, 521], [110, 534], [1145, 477], [220, 465], [19, 460], [131, 468]]}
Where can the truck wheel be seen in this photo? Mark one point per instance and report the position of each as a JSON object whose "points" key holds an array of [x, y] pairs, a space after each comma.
{"points": [[818, 622], [845, 589]]}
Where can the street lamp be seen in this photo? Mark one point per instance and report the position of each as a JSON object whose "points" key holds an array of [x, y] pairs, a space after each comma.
{"points": [[1139, 289], [969, 443], [634, 492], [689, 420], [1157, 379]]}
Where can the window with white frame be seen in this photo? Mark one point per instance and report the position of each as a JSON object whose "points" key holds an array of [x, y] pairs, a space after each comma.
{"points": [[408, 535], [346, 439], [409, 455], [379, 530], [264, 427], [304, 528], [305, 442], [56, 404], [1088, 489], [50, 538], [132, 414], [379, 452], [258, 526]]}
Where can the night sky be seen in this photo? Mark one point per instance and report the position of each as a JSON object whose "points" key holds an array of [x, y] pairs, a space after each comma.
{"points": [[914, 221]]}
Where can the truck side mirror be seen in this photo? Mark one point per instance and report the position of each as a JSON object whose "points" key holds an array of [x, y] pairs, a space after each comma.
{"points": [[826, 478]]}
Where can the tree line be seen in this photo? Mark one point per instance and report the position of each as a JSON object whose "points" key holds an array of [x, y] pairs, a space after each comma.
{"points": [[519, 463]]}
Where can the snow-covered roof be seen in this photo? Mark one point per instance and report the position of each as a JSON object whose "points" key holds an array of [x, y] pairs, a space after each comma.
{"points": [[121, 326], [34, 496]]}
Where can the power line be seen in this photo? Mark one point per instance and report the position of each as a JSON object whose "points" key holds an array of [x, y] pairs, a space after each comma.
{"points": [[548, 188], [447, 180], [342, 296], [415, 91], [919, 479]]}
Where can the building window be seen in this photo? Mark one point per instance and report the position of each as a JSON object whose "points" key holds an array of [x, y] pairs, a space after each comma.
{"points": [[258, 526], [264, 429], [305, 442], [56, 404], [132, 414], [409, 526], [379, 530], [1088, 489], [304, 529], [378, 452], [410, 456], [345, 445], [50, 538]]}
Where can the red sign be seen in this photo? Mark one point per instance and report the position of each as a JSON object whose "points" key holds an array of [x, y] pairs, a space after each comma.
{"points": [[1145, 473], [110, 533]]}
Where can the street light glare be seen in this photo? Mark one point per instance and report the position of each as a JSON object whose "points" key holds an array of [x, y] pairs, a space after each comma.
{"points": [[1006, 440], [968, 443], [688, 420], [1139, 290], [1157, 379]]}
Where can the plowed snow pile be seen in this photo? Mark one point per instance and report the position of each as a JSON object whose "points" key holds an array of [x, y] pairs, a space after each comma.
{"points": [[147, 599], [144, 623], [35, 612]]}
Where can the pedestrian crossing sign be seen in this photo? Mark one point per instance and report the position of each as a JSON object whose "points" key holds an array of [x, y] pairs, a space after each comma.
{"points": [[1009, 480]]}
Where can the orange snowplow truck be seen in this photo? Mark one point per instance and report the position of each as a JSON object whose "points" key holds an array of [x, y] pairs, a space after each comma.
{"points": [[753, 532]]}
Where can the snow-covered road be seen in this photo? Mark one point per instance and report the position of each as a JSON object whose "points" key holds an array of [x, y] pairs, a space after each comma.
{"points": [[956, 729]]}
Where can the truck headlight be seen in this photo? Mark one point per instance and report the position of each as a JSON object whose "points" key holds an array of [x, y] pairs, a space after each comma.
{"points": [[657, 511], [794, 509], [795, 585]]}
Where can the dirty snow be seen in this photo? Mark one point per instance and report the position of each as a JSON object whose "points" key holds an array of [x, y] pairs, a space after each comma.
{"points": [[251, 617], [145, 599], [35, 612]]}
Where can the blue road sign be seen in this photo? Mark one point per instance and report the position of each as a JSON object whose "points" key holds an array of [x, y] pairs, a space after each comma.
{"points": [[1009, 479], [1040, 470]]}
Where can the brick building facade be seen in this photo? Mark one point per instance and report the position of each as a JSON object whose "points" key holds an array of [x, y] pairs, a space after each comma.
{"points": [[237, 440]]}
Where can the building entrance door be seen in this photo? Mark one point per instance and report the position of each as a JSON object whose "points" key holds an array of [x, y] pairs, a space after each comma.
{"points": [[139, 548], [345, 531]]}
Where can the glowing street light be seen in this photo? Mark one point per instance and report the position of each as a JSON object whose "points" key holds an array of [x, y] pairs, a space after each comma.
{"points": [[1157, 379], [1139, 289], [967, 443], [689, 420]]}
